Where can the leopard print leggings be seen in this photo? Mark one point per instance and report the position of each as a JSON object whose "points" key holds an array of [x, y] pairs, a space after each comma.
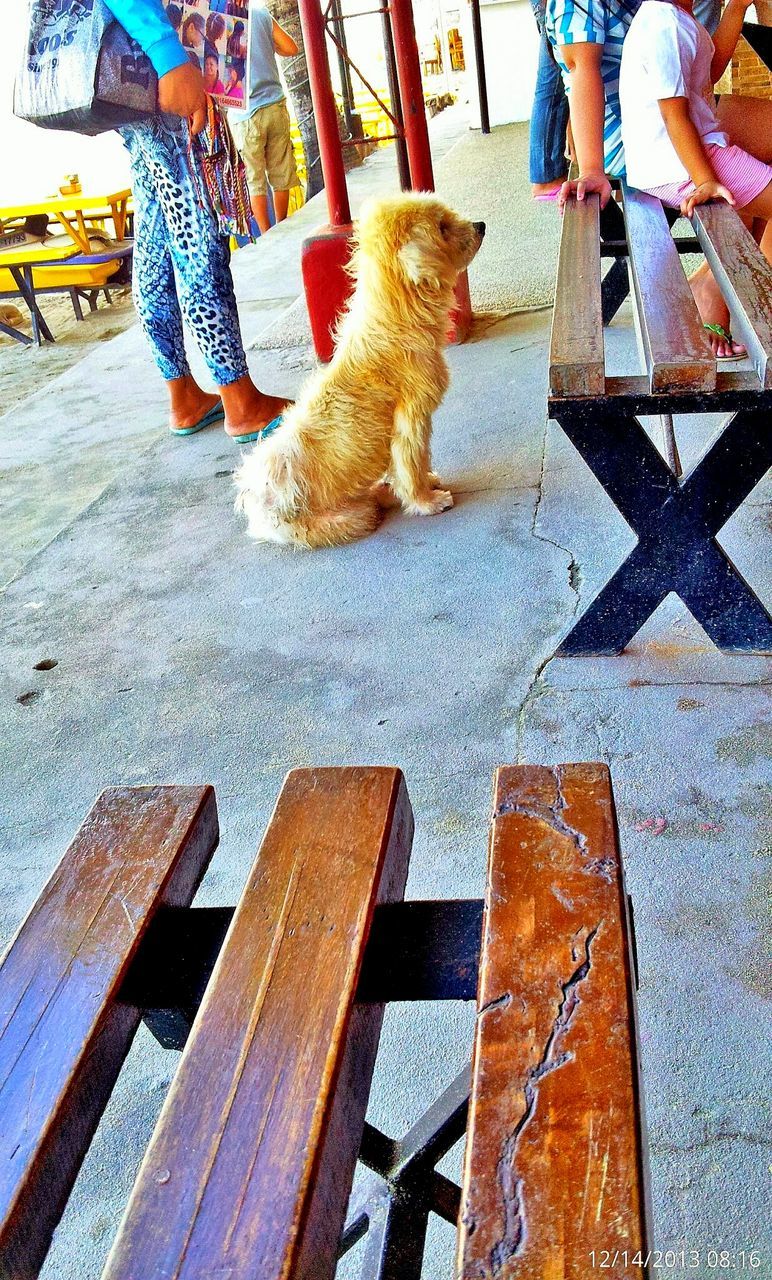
{"points": [[177, 235]]}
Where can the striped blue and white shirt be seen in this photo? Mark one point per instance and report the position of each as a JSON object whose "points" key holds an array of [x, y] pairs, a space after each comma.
{"points": [[596, 22]]}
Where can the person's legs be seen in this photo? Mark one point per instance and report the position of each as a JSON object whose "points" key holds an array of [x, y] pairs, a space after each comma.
{"points": [[761, 207], [155, 294], [251, 143], [204, 285], [748, 124], [279, 156], [548, 167], [260, 210], [281, 204]]}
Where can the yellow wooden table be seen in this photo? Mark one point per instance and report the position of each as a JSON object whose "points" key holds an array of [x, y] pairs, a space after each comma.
{"points": [[21, 262], [70, 211]]}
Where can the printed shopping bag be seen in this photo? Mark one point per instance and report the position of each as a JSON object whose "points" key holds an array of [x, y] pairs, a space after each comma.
{"points": [[81, 70]]}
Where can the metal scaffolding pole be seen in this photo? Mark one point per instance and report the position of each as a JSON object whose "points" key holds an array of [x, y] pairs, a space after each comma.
{"points": [[403, 167], [479, 57], [347, 89], [412, 94], [325, 114]]}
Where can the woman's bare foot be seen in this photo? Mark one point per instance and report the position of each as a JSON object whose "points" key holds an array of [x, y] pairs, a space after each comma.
{"points": [[546, 190], [713, 310], [248, 410], [189, 403]]}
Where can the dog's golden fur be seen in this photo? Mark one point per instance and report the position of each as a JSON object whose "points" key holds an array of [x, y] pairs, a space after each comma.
{"points": [[364, 421]]}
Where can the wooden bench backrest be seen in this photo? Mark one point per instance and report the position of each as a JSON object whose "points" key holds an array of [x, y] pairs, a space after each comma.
{"points": [[554, 1162], [63, 1031], [249, 1170]]}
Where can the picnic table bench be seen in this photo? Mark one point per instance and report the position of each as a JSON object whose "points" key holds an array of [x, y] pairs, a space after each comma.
{"points": [[278, 1007], [38, 267], [75, 264], [676, 518]]}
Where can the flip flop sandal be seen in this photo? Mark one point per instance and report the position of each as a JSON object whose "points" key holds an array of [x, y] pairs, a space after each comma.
{"points": [[215, 414], [262, 434], [721, 332]]}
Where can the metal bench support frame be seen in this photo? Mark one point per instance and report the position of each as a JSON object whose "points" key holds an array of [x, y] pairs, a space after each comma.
{"points": [[676, 519], [417, 951]]}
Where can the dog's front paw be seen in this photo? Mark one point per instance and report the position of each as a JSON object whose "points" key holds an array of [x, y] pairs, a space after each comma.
{"points": [[433, 480], [439, 500]]}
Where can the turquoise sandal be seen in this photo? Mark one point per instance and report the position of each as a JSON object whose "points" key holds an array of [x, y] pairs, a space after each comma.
{"points": [[215, 414], [265, 431]]}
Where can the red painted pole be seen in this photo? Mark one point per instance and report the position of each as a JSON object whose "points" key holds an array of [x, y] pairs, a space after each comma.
{"points": [[412, 93], [326, 116]]}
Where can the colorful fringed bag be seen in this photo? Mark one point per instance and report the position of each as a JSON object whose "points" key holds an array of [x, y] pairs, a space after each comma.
{"points": [[216, 162]]}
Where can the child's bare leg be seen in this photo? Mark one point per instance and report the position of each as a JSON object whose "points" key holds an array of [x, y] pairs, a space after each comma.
{"points": [[706, 292], [748, 123], [713, 310], [761, 208]]}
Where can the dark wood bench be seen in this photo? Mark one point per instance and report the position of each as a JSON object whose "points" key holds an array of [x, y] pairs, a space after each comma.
{"points": [[676, 518], [278, 1006]]}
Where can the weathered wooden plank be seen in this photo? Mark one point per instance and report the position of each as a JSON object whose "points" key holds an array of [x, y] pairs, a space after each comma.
{"points": [[636, 385], [63, 1032], [577, 359], [250, 1168], [554, 1163], [676, 349], [744, 277]]}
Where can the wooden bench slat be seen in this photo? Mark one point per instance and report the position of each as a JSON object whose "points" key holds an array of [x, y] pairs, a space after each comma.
{"points": [[63, 1033], [554, 1163], [250, 1168], [744, 277], [676, 347], [577, 353]]}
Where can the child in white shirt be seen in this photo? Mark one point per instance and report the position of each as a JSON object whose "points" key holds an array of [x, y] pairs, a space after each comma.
{"points": [[674, 145]]}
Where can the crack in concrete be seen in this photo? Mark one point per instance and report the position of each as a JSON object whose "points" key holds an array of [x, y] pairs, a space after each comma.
{"points": [[574, 568], [574, 582], [515, 1229], [530, 696], [663, 684]]}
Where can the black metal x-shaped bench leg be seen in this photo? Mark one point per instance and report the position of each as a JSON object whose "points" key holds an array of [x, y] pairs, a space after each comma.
{"points": [[393, 1204], [676, 523]]}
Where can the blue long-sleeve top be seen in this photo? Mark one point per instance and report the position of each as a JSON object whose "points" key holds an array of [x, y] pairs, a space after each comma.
{"points": [[147, 23]]}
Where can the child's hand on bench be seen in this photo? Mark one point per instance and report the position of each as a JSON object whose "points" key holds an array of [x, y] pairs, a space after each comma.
{"points": [[584, 185], [710, 190]]}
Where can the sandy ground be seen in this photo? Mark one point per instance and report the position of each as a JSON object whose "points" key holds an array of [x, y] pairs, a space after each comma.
{"points": [[24, 370]]}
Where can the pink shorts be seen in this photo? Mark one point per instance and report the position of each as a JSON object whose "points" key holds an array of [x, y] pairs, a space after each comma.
{"points": [[742, 174]]}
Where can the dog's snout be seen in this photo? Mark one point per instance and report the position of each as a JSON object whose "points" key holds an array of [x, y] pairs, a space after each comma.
{"points": [[479, 228]]}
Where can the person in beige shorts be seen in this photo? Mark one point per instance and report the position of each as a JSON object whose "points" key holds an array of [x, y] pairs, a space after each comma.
{"points": [[262, 130]]}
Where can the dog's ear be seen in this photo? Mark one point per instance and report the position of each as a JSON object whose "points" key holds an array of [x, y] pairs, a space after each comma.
{"points": [[419, 259]]}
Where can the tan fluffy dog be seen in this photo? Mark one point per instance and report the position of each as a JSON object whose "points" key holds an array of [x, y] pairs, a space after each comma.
{"points": [[365, 420]]}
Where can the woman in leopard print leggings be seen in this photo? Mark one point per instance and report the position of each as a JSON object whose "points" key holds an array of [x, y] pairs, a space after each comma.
{"points": [[182, 269]]}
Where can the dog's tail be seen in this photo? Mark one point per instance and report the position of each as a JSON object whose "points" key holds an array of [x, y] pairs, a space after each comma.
{"points": [[333, 528]]}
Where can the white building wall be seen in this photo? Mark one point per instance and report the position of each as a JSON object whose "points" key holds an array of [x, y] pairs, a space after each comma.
{"points": [[511, 49]]}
